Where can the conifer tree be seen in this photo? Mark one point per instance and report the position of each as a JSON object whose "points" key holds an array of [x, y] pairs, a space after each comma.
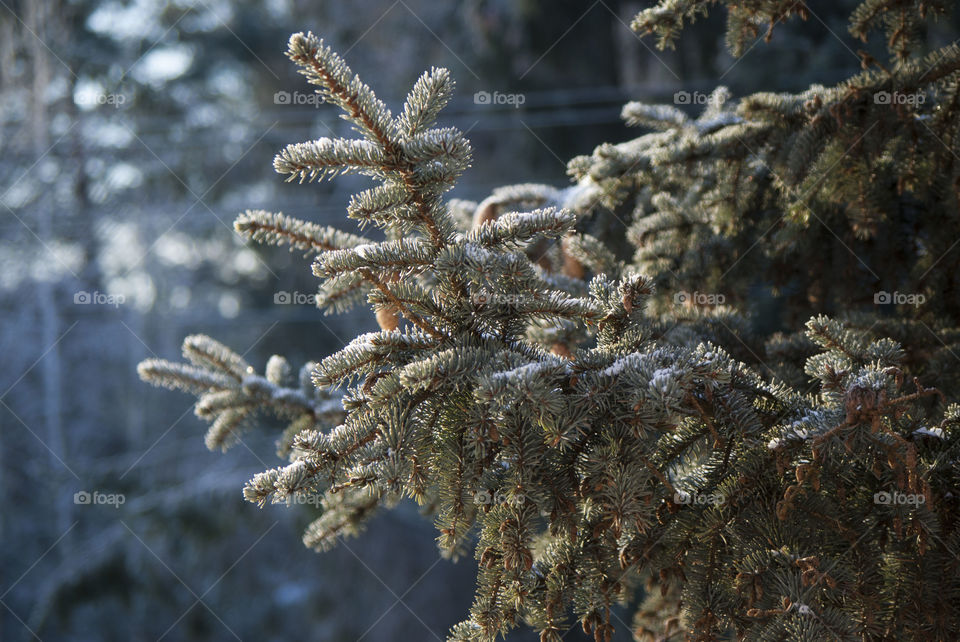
{"points": [[593, 432]]}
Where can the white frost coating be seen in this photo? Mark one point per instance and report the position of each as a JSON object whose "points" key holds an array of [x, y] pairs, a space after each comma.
{"points": [[929, 432], [803, 609], [803, 428], [711, 359], [579, 195], [256, 382], [524, 371], [519, 218], [870, 380], [287, 395], [634, 360], [814, 417], [662, 378], [724, 119], [617, 366], [800, 429], [282, 395], [476, 253], [364, 341], [364, 250]]}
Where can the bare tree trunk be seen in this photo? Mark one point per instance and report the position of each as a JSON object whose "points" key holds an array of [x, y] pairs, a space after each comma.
{"points": [[50, 367]]}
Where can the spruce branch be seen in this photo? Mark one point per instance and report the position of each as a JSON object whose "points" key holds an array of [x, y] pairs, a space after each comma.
{"points": [[410, 156], [429, 95], [277, 229], [324, 68], [326, 158], [553, 402], [230, 394]]}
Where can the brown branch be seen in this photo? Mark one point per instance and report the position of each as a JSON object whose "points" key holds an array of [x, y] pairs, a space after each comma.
{"points": [[656, 473], [414, 318], [295, 240], [350, 99], [717, 441]]}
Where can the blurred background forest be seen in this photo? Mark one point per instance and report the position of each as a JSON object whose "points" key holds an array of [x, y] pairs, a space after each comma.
{"points": [[131, 134]]}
